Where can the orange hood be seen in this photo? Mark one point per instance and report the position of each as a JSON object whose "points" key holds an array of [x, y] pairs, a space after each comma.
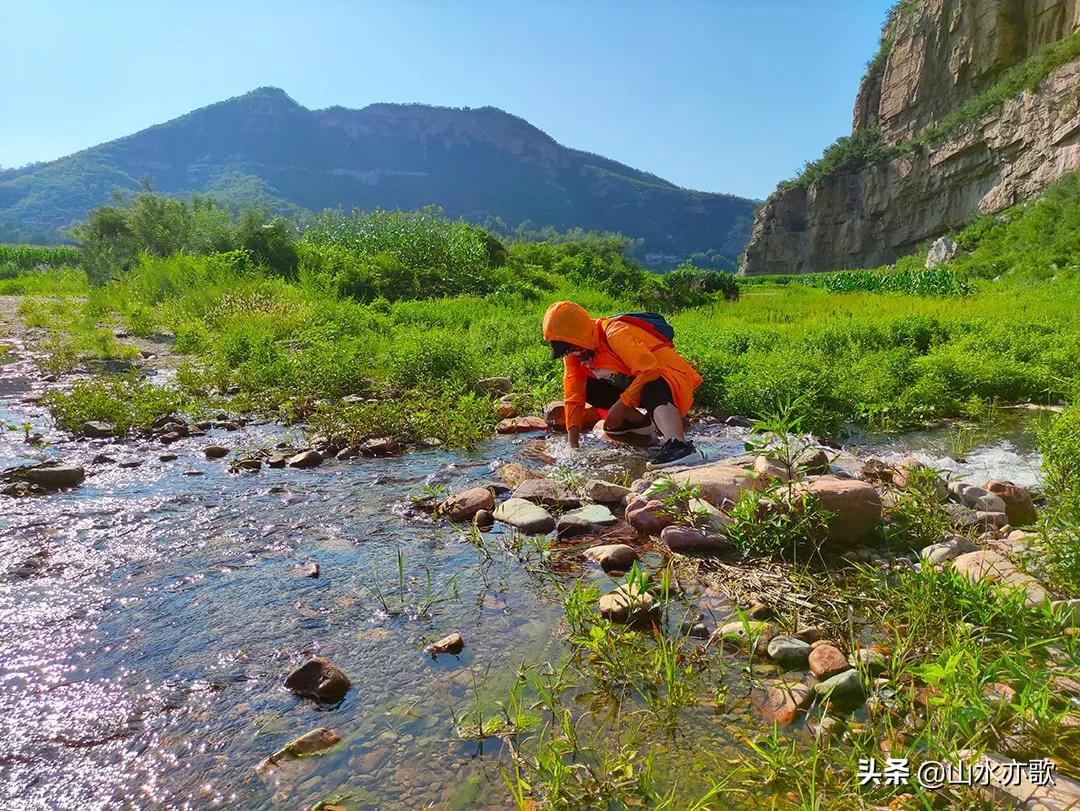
{"points": [[566, 321]]}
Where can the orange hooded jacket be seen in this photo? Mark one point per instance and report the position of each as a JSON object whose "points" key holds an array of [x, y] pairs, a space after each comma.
{"points": [[619, 347]]}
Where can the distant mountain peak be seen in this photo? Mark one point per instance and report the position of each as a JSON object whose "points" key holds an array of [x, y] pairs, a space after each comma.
{"points": [[475, 163]]}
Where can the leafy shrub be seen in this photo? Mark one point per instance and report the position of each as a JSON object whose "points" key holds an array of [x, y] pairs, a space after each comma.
{"points": [[690, 286], [114, 237], [1060, 446], [127, 402], [848, 153]]}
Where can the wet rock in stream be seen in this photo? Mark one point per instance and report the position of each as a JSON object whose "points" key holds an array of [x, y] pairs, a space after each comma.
{"points": [[310, 743], [546, 493], [215, 451], [689, 540], [379, 446], [514, 473], [451, 643], [521, 425], [306, 459], [628, 604], [596, 514], [318, 678], [605, 492], [571, 526], [782, 704], [612, 557], [464, 505], [845, 687], [309, 569], [789, 653], [97, 429], [827, 660], [525, 516], [54, 477]]}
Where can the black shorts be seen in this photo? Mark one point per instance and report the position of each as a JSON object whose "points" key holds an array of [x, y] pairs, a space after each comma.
{"points": [[604, 393]]}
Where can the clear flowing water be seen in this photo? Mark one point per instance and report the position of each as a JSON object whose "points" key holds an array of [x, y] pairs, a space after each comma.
{"points": [[148, 618]]}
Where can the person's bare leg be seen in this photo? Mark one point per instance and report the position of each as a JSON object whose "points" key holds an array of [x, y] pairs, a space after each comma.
{"points": [[669, 421]]}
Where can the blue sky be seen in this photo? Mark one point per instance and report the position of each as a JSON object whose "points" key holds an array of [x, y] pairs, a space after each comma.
{"points": [[727, 96]]}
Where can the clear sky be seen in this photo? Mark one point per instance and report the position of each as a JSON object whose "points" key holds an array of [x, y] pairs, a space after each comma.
{"points": [[727, 95]]}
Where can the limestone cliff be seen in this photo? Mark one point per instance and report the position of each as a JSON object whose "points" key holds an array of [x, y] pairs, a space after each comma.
{"points": [[936, 56]]}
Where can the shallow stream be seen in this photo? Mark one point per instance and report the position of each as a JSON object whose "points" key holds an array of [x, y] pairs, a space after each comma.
{"points": [[142, 663]]}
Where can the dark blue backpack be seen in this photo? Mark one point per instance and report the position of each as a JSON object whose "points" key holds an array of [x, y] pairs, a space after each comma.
{"points": [[653, 323]]}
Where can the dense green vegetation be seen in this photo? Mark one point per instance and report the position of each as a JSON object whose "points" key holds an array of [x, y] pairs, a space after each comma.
{"points": [[293, 322], [474, 163]]}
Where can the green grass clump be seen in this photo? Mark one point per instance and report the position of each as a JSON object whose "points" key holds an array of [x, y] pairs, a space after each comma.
{"points": [[128, 402], [1058, 555], [61, 281]]}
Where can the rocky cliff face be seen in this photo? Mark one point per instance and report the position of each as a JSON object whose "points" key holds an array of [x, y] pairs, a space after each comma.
{"points": [[940, 54]]}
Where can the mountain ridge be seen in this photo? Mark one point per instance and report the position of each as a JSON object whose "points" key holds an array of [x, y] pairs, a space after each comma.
{"points": [[475, 163]]}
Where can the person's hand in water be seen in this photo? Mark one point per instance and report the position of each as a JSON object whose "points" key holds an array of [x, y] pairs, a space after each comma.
{"points": [[618, 414]]}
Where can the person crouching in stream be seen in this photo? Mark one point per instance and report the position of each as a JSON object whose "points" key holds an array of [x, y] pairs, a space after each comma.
{"points": [[620, 364]]}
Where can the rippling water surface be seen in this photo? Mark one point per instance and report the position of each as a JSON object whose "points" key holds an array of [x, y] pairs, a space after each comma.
{"points": [[148, 618]]}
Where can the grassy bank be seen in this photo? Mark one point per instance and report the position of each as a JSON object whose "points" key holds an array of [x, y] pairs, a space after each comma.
{"points": [[422, 306], [381, 324]]}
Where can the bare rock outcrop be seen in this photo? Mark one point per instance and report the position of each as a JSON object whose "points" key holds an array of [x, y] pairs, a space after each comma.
{"points": [[940, 54]]}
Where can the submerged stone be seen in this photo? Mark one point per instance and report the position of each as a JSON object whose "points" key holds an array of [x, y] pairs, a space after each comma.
{"points": [[310, 743], [320, 679], [514, 473], [570, 526], [451, 643], [781, 704]]}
